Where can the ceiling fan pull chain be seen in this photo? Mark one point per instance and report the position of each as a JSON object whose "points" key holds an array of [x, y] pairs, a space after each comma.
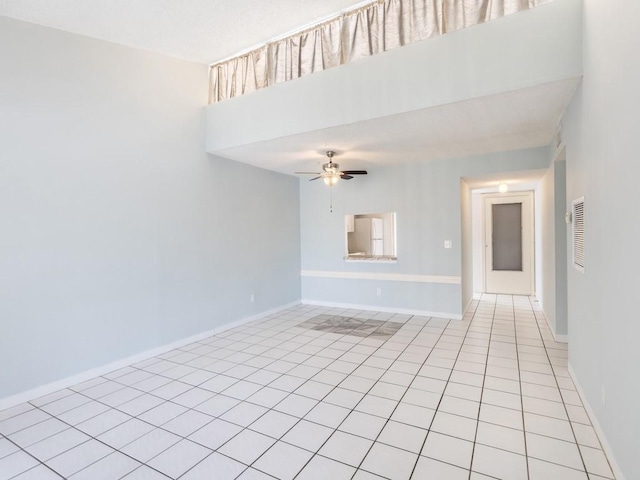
{"points": [[331, 200]]}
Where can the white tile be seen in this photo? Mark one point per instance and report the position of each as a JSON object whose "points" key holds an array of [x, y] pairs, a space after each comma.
{"points": [[242, 390], [145, 473], [7, 448], [162, 413], [140, 404], [253, 474], [193, 397], [596, 462], [103, 422], [586, 435], [544, 407], [74, 460], [56, 444], [389, 462], [501, 416], [344, 397], [501, 399], [296, 405], [364, 475], [547, 426], [421, 398], [413, 415], [363, 425], [41, 472], [179, 458], [455, 426], [121, 396], [381, 407], [430, 468], [247, 446], [187, 423], [459, 406], [37, 432], [125, 433], [83, 413], [215, 466], [217, 405], [56, 395], [357, 384], [17, 410], [113, 466], [274, 424], [16, 463], [215, 434], [553, 450], [501, 437], [327, 414], [578, 414], [321, 468], [219, 383], [150, 445], [499, 463], [308, 435], [448, 449], [267, 397], [539, 470], [346, 448], [287, 383], [171, 390], [24, 420], [244, 414], [403, 436], [283, 461]]}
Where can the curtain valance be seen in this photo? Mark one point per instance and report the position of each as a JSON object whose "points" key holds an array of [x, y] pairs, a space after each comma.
{"points": [[371, 29]]}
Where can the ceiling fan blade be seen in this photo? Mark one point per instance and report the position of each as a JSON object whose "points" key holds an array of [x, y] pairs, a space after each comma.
{"points": [[346, 177], [307, 173], [311, 179], [354, 172]]}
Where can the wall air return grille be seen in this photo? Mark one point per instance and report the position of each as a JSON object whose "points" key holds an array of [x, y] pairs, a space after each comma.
{"points": [[577, 212]]}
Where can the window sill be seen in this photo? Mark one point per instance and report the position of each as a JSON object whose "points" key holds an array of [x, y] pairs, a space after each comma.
{"points": [[370, 259]]}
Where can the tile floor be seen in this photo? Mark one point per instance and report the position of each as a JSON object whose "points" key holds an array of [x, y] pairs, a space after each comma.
{"points": [[485, 397]]}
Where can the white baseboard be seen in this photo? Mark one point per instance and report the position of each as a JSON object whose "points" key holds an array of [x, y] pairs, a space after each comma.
{"points": [[38, 392], [353, 306], [466, 309], [558, 337], [617, 472]]}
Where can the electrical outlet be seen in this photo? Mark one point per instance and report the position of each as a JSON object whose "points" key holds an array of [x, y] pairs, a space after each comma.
{"points": [[448, 244], [603, 395], [253, 298], [378, 291]]}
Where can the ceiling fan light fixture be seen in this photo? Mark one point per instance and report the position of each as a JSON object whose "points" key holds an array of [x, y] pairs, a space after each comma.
{"points": [[330, 179]]}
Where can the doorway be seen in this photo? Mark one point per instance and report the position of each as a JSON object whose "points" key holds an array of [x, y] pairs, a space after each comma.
{"points": [[508, 245]]}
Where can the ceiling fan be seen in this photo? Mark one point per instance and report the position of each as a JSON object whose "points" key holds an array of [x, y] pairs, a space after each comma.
{"points": [[331, 172]]}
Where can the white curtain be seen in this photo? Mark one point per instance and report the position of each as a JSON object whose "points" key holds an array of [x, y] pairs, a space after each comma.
{"points": [[375, 28]]}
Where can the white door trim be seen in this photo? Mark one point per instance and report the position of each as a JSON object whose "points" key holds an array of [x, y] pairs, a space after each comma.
{"points": [[528, 229]]}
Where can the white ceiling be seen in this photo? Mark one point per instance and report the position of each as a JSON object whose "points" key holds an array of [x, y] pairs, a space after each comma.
{"points": [[201, 31], [520, 119]]}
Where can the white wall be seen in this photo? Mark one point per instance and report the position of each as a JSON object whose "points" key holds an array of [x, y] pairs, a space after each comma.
{"points": [[426, 199], [118, 232], [601, 137]]}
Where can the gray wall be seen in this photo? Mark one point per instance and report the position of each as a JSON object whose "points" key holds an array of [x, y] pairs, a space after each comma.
{"points": [[426, 199], [118, 233], [601, 137]]}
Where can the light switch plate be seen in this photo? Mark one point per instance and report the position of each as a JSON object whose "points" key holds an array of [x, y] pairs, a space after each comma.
{"points": [[448, 244]]}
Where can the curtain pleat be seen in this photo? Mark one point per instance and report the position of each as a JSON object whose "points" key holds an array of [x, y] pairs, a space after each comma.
{"points": [[381, 26]]}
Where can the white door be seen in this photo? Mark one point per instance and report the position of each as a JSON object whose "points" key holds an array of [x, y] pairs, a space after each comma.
{"points": [[509, 243]]}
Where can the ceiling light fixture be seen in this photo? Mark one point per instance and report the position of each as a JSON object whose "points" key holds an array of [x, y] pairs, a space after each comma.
{"points": [[503, 188]]}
